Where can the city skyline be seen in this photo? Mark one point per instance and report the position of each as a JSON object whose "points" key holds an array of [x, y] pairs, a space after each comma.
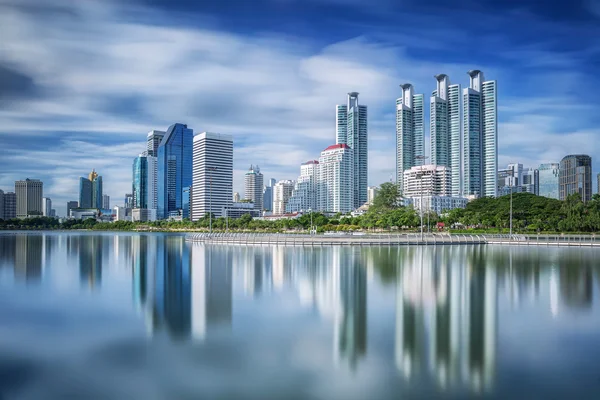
{"points": [[293, 90]]}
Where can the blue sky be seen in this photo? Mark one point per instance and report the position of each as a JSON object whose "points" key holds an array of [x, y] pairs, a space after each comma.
{"points": [[83, 81]]}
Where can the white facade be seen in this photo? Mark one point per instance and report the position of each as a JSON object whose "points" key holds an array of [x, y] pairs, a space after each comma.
{"points": [[212, 174], [410, 132], [433, 180], [143, 215], [436, 204], [282, 191], [352, 130], [445, 124], [304, 196], [480, 137], [335, 182], [254, 186], [120, 213], [153, 141], [236, 197], [371, 193], [47, 205]]}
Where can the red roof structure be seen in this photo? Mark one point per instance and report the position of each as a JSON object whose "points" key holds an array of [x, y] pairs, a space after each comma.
{"points": [[337, 146]]}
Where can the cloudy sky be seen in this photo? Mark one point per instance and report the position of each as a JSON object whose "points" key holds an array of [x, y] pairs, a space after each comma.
{"points": [[83, 81]]}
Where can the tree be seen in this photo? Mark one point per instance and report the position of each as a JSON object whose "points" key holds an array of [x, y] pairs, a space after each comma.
{"points": [[387, 197]]}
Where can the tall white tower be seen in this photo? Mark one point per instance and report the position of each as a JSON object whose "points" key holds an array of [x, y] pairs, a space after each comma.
{"points": [[409, 132]]}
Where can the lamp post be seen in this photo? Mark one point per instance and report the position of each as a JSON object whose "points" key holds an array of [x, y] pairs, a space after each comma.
{"points": [[210, 169], [511, 210], [423, 158], [311, 221]]}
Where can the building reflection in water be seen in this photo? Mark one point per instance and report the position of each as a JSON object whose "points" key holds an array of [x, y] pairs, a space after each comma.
{"points": [[446, 316], [91, 249], [28, 257]]}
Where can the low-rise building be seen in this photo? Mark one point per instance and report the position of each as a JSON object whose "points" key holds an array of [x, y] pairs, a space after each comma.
{"points": [[237, 210], [143, 215], [437, 204], [428, 180]]}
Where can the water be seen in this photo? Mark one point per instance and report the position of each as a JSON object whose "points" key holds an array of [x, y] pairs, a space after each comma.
{"points": [[128, 316]]}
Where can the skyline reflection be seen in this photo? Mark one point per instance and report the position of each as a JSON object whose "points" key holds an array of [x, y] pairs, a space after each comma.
{"points": [[432, 316]]}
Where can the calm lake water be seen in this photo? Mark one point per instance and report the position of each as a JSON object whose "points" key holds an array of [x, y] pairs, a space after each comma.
{"points": [[135, 316]]}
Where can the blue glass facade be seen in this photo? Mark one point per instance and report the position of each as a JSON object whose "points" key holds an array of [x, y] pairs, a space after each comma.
{"points": [[90, 192], [140, 182], [174, 170], [548, 180]]}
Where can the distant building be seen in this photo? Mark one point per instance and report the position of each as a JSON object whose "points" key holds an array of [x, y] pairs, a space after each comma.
{"points": [[268, 195], [410, 132], [517, 179], [47, 207], [212, 174], [105, 201], [432, 180], [90, 191], [480, 137], [144, 189], [10, 205], [1, 204], [143, 215], [371, 193], [154, 139], [120, 213], [531, 181], [237, 210], [437, 204], [335, 180], [236, 198], [84, 213], [575, 176], [53, 213], [174, 174], [70, 206], [29, 194], [253, 181], [281, 195], [128, 202], [548, 176], [352, 130], [304, 195]]}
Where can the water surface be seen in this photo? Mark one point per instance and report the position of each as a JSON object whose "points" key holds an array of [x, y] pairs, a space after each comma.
{"points": [[149, 316]]}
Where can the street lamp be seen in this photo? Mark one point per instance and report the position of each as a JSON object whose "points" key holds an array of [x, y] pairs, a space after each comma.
{"points": [[423, 158], [210, 169], [311, 221]]}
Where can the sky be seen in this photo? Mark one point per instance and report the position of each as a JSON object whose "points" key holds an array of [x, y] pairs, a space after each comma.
{"points": [[82, 82]]}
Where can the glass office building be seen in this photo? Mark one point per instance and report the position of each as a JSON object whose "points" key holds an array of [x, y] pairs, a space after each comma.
{"points": [[548, 180], [575, 176], [174, 171], [140, 182]]}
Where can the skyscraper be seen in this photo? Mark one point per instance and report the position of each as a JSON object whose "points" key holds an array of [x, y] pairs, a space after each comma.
{"points": [[46, 207], [1, 204], [575, 176], [154, 139], [335, 179], [352, 130], [480, 137], [90, 191], [254, 186], [410, 132], [212, 186], [268, 195], [282, 191], [174, 170], [304, 196], [10, 205], [105, 202], [445, 124], [29, 197], [140, 183]]}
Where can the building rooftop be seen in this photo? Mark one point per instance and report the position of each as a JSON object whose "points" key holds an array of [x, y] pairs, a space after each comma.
{"points": [[337, 146], [311, 162]]}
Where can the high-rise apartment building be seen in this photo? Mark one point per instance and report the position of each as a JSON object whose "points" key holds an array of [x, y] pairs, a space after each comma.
{"points": [[575, 176], [10, 205], [282, 191], [335, 179], [212, 187], [154, 139], [236, 197], [480, 137], [445, 124], [105, 202], [253, 181], [47, 207], [174, 176], [410, 132], [70, 206], [372, 192], [29, 194], [433, 180], [351, 129], [304, 196], [90, 191]]}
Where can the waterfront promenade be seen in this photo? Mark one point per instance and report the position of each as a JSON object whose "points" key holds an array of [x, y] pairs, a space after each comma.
{"points": [[408, 239]]}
